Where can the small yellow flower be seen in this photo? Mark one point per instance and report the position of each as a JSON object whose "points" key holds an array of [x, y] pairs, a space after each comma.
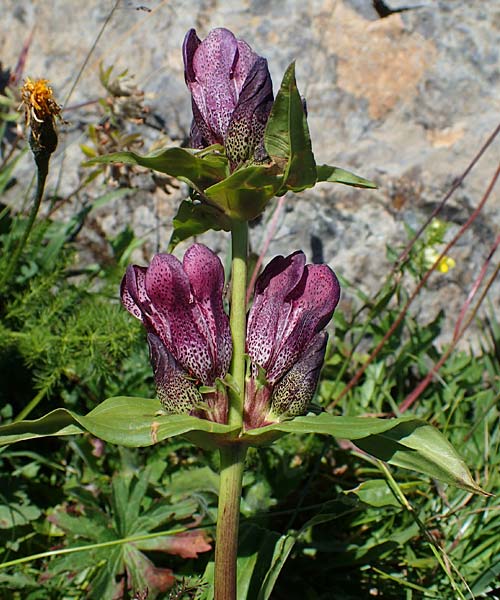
{"points": [[38, 101], [444, 265]]}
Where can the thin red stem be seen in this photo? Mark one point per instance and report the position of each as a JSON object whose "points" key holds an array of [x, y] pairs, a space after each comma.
{"points": [[357, 376], [269, 236]]}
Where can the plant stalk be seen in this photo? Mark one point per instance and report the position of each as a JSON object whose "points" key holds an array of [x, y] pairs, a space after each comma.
{"points": [[232, 460], [232, 457], [42, 172], [238, 317]]}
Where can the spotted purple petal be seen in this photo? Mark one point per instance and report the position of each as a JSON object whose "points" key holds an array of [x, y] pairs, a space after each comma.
{"points": [[132, 292], [189, 47], [178, 316], [245, 134], [270, 308], [292, 304], [231, 94], [187, 316], [308, 309], [206, 275], [212, 89], [177, 394], [294, 391]]}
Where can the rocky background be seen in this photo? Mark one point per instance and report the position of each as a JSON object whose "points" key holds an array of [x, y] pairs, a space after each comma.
{"points": [[403, 93]]}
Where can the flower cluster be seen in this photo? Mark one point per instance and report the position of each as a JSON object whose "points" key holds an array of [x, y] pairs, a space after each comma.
{"points": [[181, 306]]}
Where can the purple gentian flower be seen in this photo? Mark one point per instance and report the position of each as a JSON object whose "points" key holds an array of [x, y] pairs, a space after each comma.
{"points": [[292, 303], [189, 338], [231, 93]]}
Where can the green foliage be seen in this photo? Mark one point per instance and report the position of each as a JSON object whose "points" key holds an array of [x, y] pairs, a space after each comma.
{"points": [[244, 194], [287, 136], [81, 518], [116, 536], [198, 169]]}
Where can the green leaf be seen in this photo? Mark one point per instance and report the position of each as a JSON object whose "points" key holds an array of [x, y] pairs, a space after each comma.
{"points": [[127, 421], [375, 492], [405, 442], [282, 550], [338, 175], [416, 445], [15, 514], [287, 135], [8, 169], [194, 219], [488, 577], [261, 556], [197, 171], [245, 193], [57, 422]]}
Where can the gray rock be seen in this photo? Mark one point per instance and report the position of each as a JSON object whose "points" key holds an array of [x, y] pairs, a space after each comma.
{"points": [[406, 100]]}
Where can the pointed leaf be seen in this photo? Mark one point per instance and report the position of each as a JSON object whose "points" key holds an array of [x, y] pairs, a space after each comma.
{"points": [[338, 175], [287, 135], [58, 422], [414, 444], [194, 219], [281, 552], [127, 421], [158, 514], [375, 492], [186, 165], [134, 500], [244, 195], [406, 442]]}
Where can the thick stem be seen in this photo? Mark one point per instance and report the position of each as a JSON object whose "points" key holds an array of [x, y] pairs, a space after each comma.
{"points": [[232, 457], [238, 317], [232, 460]]}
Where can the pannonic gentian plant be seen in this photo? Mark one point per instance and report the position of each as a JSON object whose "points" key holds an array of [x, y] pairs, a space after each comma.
{"points": [[230, 382]]}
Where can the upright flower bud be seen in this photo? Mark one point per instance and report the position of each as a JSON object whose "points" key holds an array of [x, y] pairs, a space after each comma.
{"points": [[231, 93], [292, 303], [180, 304]]}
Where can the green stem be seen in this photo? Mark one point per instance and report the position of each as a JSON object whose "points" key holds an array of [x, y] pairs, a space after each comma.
{"points": [[89, 547], [43, 169], [238, 317], [31, 406], [232, 457], [232, 460]]}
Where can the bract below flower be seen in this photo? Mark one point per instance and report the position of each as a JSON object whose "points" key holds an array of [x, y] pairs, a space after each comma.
{"points": [[180, 305], [231, 93], [293, 302]]}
